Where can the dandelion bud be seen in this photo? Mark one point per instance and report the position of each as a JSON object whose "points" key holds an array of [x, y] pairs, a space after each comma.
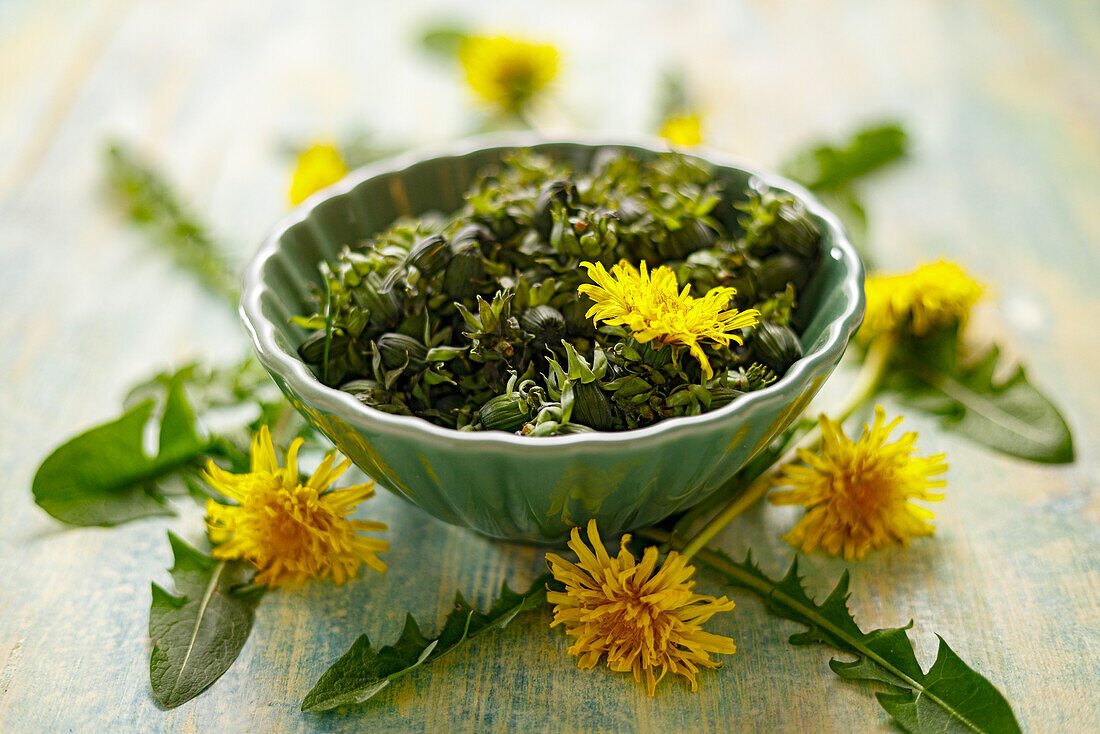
{"points": [[563, 191], [399, 349], [507, 412], [428, 254], [312, 349], [779, 270], [590, 406], [463, 274], [777, 345], [545, 322]]}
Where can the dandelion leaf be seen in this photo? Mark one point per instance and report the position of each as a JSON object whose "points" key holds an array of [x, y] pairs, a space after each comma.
{"points": [[363, 671], [950, 697], [198, 632], [104, 477], [828, 168], [1009, 415], [151, 202]]}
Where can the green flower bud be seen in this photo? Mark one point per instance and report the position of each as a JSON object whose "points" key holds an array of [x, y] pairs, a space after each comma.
{"points": [[795, 232], [573, 311], [777, 346], [778, 221], [723, 396], [369, 392], [508, 412], [312, 349], [691, 236], [397, 349], [381, 299], [743, 282], [591, 407], [630, 211], [589, 234], [545, 322], [778, 270], [464, 273], [563, 191], [429, 253], [471, 236]]}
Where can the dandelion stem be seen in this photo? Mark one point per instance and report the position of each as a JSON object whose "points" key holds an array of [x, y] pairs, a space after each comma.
{"points": [[865, 387]]}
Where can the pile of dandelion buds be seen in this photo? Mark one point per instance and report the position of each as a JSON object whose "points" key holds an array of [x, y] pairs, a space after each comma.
{"points": [[562, 300]]}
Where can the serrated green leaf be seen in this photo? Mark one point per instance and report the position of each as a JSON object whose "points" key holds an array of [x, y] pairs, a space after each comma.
{"points": [[950, 697], [362, 671], [151, 202], [198, 633], [103, 476], [827, 168], [1011, 416]]}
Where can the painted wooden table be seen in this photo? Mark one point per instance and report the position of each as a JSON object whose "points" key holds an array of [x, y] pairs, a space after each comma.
{"points": [[1003, 101]]}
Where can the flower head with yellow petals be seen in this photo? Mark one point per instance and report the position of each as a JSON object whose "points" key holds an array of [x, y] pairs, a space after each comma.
{"points": [[644, 619], [505, 73], [319, 166], [933, 296], [651, 305], [683, 128], [857, 493], [291, 531]]}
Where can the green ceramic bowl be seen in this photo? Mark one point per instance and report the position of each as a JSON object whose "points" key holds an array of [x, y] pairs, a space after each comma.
{"points": [[516, 487]]}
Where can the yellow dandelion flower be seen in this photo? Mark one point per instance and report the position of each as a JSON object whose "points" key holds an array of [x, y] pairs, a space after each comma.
{"points": [[932, 296], [507, 73], [654, 309], [318, 166], [857, 493], [644, 619], [685, 129], [288, 530]]}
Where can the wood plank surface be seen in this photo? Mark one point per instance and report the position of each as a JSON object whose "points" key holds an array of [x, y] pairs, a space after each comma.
{"points": [[1003, 102]]}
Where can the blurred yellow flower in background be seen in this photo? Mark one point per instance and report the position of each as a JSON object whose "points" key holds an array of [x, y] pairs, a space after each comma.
{"points": [[646, 620], [319, 166], [857, 493], [290, 531], [934, 295], [684, 129], [505, 73], [653, 308]]}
